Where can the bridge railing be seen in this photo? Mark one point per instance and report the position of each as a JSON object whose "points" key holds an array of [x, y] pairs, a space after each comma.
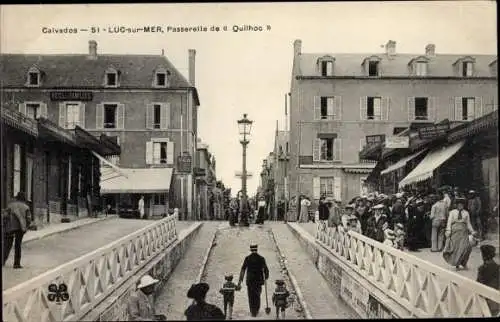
{"points": [[88, 279], [424, 289]]}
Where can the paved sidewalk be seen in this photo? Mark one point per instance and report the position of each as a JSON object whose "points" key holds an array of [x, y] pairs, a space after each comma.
{"points": [[475, 259], [172, 299], [39, 256], [232, 245], [321, 301]]}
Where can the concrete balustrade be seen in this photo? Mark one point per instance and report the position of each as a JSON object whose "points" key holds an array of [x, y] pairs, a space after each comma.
{"points": [[90, 279], [380, 281]]}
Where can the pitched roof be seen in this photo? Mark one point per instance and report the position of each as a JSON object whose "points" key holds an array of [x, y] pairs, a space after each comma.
{"points": [[440, 65], [76, 71]]}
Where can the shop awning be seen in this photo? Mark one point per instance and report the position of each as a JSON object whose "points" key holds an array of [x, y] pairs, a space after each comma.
{"points": [[149, 180], [401, 163], [424, 170], [110, 173]]}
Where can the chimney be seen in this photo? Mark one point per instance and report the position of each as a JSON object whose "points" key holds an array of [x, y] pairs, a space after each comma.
{"points": [[92, 49], [192, 55], [297, 47], [430, 50], [390, 48]]}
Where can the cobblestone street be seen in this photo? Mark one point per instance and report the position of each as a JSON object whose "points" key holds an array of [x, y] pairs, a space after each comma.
{"points": [[38, 256]]}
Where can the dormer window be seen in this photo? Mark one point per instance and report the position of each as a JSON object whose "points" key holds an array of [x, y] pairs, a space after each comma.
{"points": [[325, 65], [161, 77], [111, 78], [464, 67], [33, 77], [421, 69], [372, 66], [419, 66]]}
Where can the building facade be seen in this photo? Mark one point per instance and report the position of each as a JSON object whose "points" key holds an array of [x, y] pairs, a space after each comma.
{"points": [[339, 99], [142, 101], [205, 175]]}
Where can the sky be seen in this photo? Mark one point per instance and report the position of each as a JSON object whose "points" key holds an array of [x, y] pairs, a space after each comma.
{"points": [[250, 71]]}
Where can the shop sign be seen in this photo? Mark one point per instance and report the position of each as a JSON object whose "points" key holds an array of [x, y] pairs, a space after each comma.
{"points": [[397, 142], [71, 96], [184, 163], [355, 294], [433, 131], [375, 139]]}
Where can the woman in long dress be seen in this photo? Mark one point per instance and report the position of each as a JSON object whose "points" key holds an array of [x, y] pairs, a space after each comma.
{"points": [[261, 214], [457, 248], [304, 209]]}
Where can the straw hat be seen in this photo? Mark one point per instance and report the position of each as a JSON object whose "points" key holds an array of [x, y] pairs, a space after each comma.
{"points": [[146, 280], [379, 206]]}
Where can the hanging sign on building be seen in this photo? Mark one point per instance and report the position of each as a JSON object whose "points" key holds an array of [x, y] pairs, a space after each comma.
{"points": [[184, 163], [397, 142], [433, 131], [71, 96], [375, 139]]}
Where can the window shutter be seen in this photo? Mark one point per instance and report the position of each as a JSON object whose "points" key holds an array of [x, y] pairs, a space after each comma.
{"points": [[120, 116], [99, 116], [338, 108], [337, 149], [317, 107], [149, 116], [170, 152], [385, 108], [82, 115], [362, 143], [458, 109], [316, 187], [149, 152], [330, 108], [363, 106], [411, 108], [478, 108], [165, 116], [316, 149], [43, 110], [62, 115], [337, 188], [432, 108], [22, 108]]}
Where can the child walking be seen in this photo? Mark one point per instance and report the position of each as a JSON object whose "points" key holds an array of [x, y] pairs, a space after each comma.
{"points": [[227, 291], [280, 297]]}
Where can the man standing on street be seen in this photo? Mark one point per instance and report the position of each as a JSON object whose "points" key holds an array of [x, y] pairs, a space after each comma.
{"points": [[141, 208], [15, 221], [257, 274]]}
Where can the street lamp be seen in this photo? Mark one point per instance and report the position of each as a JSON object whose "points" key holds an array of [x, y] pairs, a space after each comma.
{"points": [[244, 126]]}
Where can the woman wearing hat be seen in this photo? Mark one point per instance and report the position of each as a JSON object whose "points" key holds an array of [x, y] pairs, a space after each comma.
{"points": [[201, 310], [488, 274], [457, 248], [377, 224], [139, 306], [304, 209], [261, 213]]}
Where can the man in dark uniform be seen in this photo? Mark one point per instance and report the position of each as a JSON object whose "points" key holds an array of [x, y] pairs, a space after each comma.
{"points": [[257, 273]]}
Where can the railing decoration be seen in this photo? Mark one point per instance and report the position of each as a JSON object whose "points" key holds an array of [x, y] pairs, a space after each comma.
{"points": [[424, 289], [68, 292]]}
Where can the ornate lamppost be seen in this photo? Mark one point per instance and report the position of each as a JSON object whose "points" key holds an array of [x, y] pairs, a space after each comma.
{"points": [[244, 126]]}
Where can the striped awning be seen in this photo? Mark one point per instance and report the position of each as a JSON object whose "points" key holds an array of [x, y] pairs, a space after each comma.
{"points": [[19, 121], [401, 163]]}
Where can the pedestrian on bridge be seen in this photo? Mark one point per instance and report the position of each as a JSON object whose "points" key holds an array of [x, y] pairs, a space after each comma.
{"points": [[227, 290], [16, 219], [257, 273], [140, 307], [201, 310]]}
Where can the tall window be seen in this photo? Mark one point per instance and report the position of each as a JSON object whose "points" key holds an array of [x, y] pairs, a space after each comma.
{"points": [[326, 149], [110, 116], [421, 108], [16, 185], [33, 110], [373, 68], [467, 69], [159, 152], [373, 108], [157, 116], [327, 108], [468, 104], [72, 115], [326, 186], [421, 68], [326, 68]]}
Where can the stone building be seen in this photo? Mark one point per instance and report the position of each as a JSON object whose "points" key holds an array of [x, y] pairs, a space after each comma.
{"points": [[142, 101], [205, 184], [339, 99]]}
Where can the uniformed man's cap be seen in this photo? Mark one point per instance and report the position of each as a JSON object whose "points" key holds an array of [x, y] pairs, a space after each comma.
{"points": [[197, 291], [472, 192], [280, 282], [419, 202], [253, 247]]}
